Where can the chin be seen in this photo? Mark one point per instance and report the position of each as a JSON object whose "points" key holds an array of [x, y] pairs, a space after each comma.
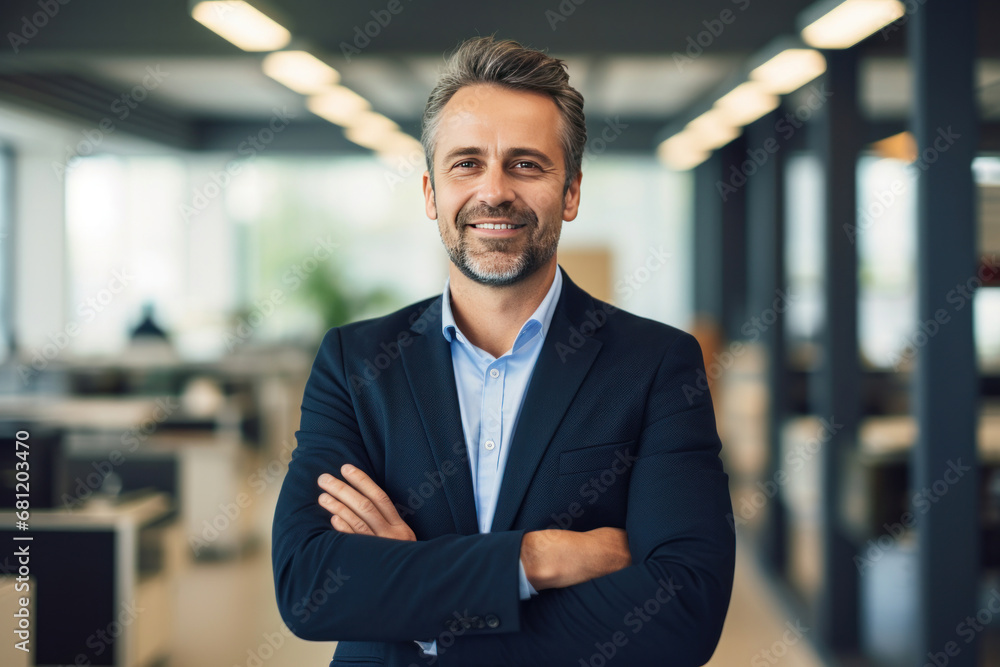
{"points": [[496, 273]]}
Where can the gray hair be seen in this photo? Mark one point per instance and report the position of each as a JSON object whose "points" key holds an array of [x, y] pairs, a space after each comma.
{"points": [[483, 60]]}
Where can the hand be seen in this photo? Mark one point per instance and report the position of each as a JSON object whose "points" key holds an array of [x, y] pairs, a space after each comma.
{"points": [[361, 506], [560, 558]]}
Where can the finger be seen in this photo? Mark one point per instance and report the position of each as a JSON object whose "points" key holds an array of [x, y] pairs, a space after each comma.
{"points": [[340, 525], [355, 501], [344, 513], [373, 492]]}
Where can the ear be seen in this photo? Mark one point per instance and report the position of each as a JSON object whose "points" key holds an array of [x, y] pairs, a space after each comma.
{"points": [[571, 200], [430, 206]]}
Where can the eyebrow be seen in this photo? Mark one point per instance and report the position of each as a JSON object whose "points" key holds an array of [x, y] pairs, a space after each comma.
{"points": [[468, 151]]}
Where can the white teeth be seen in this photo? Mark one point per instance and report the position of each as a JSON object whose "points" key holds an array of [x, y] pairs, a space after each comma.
{"points": [[490, 225]]}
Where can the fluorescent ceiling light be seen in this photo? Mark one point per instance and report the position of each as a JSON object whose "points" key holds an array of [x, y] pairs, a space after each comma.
{"points": [[301, 71], [746, 103], [400, 145], [682, 152], [790, 70], [243, 25], [712, 129], [338, 105], [851, 21], [370, 129]]}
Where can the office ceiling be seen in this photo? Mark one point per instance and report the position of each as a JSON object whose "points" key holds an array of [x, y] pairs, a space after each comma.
{"points": [[624, 56]]}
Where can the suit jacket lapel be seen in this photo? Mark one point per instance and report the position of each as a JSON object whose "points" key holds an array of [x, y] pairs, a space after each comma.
{"points": [[562, 364], [429, 370]]}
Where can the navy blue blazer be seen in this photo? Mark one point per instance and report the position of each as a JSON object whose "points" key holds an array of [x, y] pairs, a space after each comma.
{"points": [[614, 431]]}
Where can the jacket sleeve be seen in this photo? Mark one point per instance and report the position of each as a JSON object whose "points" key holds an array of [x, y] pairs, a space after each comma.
{"points": [[333, 586], [670, 605]]}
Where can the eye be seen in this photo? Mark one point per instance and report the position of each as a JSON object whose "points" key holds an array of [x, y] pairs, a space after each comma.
{"points": [[525, 163], [465, 164]]}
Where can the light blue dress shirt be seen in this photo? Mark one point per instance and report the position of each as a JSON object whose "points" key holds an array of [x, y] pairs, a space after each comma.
{"points": [[490, 394]]}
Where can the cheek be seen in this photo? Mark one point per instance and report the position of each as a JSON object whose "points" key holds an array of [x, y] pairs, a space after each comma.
{"points": [[450, 201]]}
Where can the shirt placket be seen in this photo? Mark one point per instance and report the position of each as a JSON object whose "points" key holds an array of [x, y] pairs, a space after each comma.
{"points": [[490, 432]]}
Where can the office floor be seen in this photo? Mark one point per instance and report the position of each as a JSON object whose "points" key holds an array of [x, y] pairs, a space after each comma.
{"points": [[226, 614]]}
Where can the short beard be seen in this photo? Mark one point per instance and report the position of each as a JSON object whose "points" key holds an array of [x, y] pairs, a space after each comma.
{"points": [[537, 253]]}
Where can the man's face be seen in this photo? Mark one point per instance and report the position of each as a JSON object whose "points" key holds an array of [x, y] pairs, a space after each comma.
{"points": [[498, 161]]}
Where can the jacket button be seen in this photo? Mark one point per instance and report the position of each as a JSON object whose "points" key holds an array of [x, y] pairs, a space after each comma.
{"points": [[492, 620]]}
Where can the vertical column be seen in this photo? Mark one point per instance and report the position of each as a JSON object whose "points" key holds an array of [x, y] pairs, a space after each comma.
{"points": [[720, 240], [942, 48], [836, 385], [707, 240], [733, 249], [765, 282]]}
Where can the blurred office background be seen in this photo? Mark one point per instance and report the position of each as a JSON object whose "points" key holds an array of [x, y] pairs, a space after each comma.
{"points": [[191, 193]]}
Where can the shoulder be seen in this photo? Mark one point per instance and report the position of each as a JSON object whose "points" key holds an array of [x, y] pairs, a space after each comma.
{"points": [[627, 331], [410, 320]]}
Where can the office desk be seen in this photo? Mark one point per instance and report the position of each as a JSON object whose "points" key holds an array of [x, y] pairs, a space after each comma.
{"points": [[102, 594]]}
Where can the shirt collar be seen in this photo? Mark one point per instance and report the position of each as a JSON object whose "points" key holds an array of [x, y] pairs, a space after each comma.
{"points": [[538, 321]]}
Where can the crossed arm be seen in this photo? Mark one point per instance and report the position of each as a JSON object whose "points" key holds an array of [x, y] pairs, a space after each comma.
{"points": [[670, 601], [552, 558]]}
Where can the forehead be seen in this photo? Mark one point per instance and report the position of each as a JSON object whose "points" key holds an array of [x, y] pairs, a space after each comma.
{"points": [[491, 116]]}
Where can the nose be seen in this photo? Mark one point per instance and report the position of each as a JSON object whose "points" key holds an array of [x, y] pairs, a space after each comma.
{"points": [[496, 187]]}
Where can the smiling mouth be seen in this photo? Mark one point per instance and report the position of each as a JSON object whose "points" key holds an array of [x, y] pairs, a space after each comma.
{"points": [[496, 225]]}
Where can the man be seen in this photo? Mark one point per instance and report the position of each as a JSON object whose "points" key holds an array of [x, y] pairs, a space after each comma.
{"points": [[510, 473]]}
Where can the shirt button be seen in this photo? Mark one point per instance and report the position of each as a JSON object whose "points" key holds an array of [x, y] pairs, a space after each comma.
{"points": [[490, 444], [492, 620], [494, 373]]}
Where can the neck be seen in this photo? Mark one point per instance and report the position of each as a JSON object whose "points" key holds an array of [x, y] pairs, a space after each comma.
{"points": [[490, 317]]}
